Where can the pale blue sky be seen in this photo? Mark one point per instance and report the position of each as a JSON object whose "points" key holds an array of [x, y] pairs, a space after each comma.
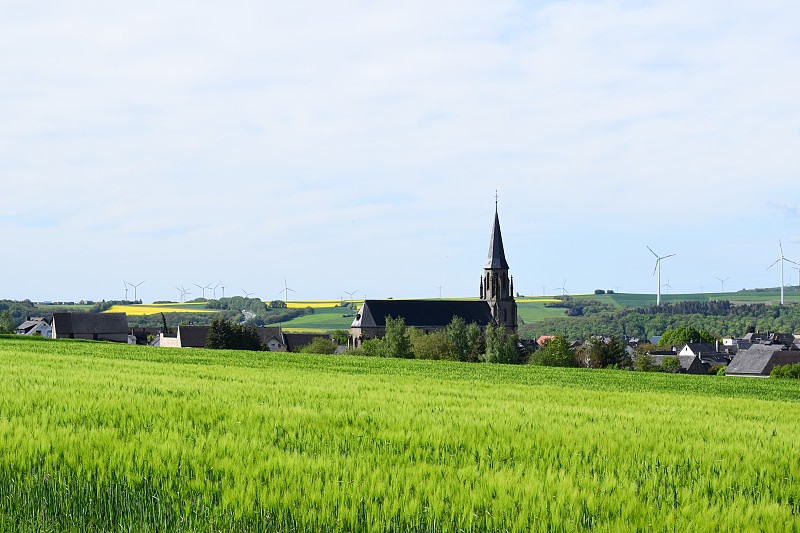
{"points": [[357, 145]]}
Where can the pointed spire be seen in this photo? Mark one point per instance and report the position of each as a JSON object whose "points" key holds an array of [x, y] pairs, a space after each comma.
{"points": [[497, 255]]}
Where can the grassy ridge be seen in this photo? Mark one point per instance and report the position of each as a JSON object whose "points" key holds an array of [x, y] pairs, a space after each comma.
{"points": [[99, 436]]}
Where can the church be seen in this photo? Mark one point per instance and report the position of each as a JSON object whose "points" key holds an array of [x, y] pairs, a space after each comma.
{"points": [[496, 304]]}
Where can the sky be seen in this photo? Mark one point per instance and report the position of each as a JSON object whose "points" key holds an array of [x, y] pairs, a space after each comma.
{"points": [[357, 146]]}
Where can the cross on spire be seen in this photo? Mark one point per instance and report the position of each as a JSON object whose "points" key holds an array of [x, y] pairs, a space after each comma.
{"points": [[495, 199]]}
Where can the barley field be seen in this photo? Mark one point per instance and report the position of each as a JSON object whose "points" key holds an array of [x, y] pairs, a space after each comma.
{"points": [[104, 437]]}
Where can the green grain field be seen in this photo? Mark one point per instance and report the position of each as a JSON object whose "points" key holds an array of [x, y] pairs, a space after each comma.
{"points": [[102, 437], [323, 319]]}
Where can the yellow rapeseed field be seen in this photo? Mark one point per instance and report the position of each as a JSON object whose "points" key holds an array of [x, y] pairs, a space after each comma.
{"points": [[154, 309]]}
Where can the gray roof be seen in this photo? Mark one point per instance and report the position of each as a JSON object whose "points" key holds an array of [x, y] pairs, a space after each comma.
{"points": [[90, 323], [759, 359], [265, 333], [701, 347], [193, 336], [423, 313], [497, 255]]}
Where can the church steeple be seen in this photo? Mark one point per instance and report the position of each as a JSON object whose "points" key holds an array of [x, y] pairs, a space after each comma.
{"points": [[497, 287], [497, 255]]}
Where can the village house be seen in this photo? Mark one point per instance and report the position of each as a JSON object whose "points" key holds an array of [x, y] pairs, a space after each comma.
{"points": [[35, 326], [188, 336], [111, 327], [496, 304], [759, 360]]}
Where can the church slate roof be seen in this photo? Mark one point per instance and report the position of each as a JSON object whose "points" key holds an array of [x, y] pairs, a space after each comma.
{"points": [[423, 313], [497, 255]]}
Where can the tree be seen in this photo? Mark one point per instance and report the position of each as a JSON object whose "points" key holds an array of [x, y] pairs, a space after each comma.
{"points": [[223, 335], [597, 353], [434, 345], [617, 354], [671, 363], [684, 335], [7, 324], [555, 352], [500, 346], [396, 341], [463, 338], [277, 304]]}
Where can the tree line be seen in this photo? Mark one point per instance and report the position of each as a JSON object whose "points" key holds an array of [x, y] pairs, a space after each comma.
{"points": [[720, 317]]}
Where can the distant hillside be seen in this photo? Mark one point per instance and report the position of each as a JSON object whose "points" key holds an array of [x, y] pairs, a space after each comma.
{"points": [[580, 317]]}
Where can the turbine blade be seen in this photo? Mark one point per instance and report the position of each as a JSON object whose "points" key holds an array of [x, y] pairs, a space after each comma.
{"points": [[670, 255], [651, 251], [656, 267], [791, 261], [775, 263]]}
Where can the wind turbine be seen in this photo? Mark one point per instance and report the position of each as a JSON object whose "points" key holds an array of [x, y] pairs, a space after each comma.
{"points": [[667, 285], [781, 259], [183, 292], [563, 289], [350, 293], [723, 282], [285, 291], [126, 289], [223, 288], [135, 286], [203, 288], [215, 288], [246, 294], [658, 268]]}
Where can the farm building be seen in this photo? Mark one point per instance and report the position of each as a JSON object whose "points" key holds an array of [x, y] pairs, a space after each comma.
{"points": [[759, 360], [91, 326], [496, 304], [273, 338]]}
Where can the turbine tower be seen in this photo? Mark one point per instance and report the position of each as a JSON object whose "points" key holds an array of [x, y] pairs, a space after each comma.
{"points": [[286, 290], [667, 285], [203, 288], [723, 282], [183, 292], [782, 260], [126, 289], [563, 288], [658, 269], [135, 286]]}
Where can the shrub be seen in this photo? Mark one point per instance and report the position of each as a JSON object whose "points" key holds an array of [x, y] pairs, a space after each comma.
{"points": [[671, 363], [320, 345], [786, 371], [717, 370], [645, 363], [434, 345]]}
